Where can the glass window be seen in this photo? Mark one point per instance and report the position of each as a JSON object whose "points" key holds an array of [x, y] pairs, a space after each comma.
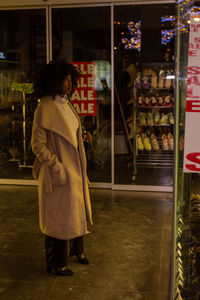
{"points": [[144, 94], [186, 185], [82, 36], [22, 50]]}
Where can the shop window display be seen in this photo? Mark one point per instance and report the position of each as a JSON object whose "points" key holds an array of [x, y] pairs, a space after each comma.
{"points": [[22, 50], [143, 87], [82, 37], [144, 94]]}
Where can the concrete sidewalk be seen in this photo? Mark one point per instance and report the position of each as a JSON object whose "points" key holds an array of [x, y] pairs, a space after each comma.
{"points": [[129, 249]]}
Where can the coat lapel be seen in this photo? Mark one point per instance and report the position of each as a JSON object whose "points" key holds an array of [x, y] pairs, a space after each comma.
{"points": [[80, 140], [51, 118]]}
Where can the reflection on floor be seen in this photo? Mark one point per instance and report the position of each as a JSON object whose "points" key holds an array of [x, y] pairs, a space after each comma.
{"points": [[129, 248]]}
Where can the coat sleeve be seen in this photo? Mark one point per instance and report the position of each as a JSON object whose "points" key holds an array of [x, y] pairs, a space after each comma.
{"points": [[39, 144]]}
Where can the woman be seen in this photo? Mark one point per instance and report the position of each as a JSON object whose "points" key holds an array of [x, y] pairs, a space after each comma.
{"points": [[60, 167]]}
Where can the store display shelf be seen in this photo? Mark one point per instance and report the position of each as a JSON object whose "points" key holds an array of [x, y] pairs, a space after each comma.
{"points": [[150, 121], [159, 65], [156, 125], [5, 144], [155, 158], [153, 88], [150, 107], [9, 61], [154, 164], [155, 153], [6, 107]]}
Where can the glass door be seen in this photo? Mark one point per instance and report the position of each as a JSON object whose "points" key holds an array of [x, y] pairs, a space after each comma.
{"points": [[82, 36], [144, 94], [22, 51]]}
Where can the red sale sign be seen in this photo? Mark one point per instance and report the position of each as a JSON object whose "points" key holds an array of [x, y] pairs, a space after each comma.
{"points": [[84, 97], [192, 118]]}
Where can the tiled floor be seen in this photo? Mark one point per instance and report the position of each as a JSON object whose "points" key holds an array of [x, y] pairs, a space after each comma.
{"points": [[129, 249]]}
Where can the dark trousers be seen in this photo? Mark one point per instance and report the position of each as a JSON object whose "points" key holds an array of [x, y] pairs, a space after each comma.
{"points": [[57, 251]]}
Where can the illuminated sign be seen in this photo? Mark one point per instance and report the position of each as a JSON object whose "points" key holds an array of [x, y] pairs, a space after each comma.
{"points": [[84, 97], [192, 117], [27, 88]]}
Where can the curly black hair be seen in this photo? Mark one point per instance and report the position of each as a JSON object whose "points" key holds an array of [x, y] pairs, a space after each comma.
{"points": [[51, 77]]}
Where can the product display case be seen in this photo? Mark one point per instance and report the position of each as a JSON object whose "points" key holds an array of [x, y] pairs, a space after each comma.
{"points": [[152, 121]]}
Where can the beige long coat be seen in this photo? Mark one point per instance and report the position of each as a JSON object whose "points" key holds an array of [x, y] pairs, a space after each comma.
{"points": [[60, 167]]}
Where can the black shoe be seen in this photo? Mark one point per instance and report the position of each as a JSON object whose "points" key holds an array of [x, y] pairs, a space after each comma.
{"points": [[62, 271], [82, 259]]}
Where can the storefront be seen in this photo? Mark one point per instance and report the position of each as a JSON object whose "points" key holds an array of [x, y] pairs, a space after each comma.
{"points": [[126, 99], [132, 107]]}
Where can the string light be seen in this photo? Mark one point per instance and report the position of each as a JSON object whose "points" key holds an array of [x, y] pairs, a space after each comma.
{"points": [[134, 42], [194, 10]]}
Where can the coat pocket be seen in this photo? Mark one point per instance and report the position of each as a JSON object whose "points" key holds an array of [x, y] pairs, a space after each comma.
{"points": [[59, 176], [36, 169]]}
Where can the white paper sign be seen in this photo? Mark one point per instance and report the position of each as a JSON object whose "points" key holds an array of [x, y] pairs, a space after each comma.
{"points": [[192, 119]]}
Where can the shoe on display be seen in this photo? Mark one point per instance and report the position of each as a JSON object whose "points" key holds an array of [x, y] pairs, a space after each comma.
{"points": [[168, 80], [153, 101], [164, 137], [161, 79], [141, 100], [153, 137], [139, 144], [145, 82], [157, 118], [147, 101], [165, 144], [138, 81], [167, 101], [154, 81], [142, 119], [171, 118], [154, 142], [169, 136], [160, 101], [146, 142], [170, 141], [150, 119], [163, 119]]}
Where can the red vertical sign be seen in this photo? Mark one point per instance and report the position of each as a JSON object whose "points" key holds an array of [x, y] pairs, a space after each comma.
{"points": [[84, 97], [192, 117]]}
